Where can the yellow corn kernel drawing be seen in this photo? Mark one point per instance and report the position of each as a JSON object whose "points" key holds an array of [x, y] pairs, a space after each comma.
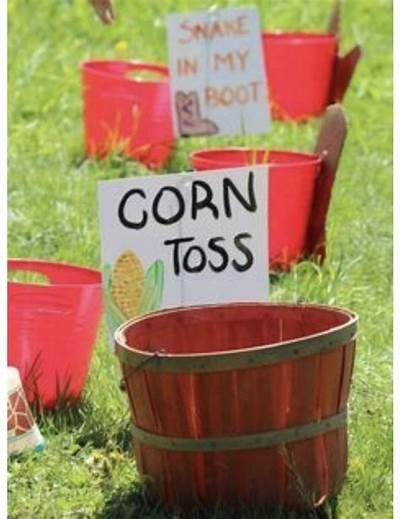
{"points": [[127, 281]]}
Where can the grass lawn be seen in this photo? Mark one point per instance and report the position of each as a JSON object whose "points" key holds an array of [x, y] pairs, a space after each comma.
{"points": [[88, 468]]}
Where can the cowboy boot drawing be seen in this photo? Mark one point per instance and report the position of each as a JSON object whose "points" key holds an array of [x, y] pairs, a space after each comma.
{"points": [[190, 122]]}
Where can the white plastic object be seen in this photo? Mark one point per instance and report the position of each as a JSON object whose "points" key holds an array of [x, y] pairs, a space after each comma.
{"points": [[22, 430]]}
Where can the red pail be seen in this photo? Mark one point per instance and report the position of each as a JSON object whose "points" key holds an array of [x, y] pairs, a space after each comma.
{"points": [[292, 177], [52, 329], [300, 69], [125, 114], [240, 403]]}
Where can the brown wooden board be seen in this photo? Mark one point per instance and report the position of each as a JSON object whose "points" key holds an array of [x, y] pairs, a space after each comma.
{"points": [[334, 18], [329, 146], [344, 71]]}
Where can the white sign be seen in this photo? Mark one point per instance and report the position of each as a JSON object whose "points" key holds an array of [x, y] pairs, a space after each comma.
{"points": [[183, 239], [217, 76]]}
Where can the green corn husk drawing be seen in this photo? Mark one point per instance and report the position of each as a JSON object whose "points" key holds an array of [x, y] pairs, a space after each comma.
{"points": [[153, 288], [114, 317], [150, 299]]}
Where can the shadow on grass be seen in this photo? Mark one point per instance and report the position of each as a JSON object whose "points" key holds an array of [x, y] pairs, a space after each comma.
{"points": [[85, 420], [275, 277], [63, 417], [136, 503], [98, 434], [132, 503]]}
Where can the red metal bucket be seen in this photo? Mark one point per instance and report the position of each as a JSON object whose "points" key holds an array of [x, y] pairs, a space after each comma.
{"points": [[300, 68], [240, 403], [125, 114], [52, 329], [292, 178]]}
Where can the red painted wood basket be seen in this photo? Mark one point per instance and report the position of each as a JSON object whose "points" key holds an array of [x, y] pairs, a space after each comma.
{"points": [[240, 403]]}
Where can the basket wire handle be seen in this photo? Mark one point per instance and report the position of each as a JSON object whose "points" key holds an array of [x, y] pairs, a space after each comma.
{"points": [[138, 367]]}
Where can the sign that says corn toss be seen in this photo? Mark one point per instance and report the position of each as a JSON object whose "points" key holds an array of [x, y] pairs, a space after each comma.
{"points": [[183, 239], [217, 76]]}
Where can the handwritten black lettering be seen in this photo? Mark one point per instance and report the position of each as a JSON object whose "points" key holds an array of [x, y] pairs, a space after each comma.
{"points": [[205, 202], [245, 250], [195, 267], [230, 187], [121, 210], [176, 242], [212, 244], [180, 210]]}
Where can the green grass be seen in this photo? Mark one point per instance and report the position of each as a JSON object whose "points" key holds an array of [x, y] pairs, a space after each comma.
{"points": [[88, 469]]}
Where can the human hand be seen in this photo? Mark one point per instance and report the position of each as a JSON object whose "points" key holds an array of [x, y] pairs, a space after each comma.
{"points": [[104, 10]]}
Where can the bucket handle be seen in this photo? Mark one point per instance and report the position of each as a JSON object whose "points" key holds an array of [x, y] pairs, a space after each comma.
{"points": [[49, 270], [123, 67], [330, 141], [132, 66]]}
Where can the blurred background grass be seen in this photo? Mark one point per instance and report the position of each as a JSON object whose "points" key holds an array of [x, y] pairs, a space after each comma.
{"points": [[88, 468]]}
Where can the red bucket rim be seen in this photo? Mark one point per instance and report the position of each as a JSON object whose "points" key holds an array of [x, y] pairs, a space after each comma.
{"points": [[304, 158], [60, 265], [123, 348], [95, 67], [301, 37]]}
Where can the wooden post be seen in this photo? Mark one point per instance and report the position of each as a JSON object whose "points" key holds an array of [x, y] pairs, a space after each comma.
{"points": [[329, 146]]}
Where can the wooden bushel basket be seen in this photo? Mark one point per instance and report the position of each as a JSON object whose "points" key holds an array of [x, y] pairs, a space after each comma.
{"points": [[241, 403]]}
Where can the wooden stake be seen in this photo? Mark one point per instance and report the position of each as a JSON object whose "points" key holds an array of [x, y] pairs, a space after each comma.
{"points": [[334, 18], [329, 146]]}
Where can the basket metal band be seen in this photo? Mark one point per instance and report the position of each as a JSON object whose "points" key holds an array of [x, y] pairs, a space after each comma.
{"points": [[236, 359], [250, 441]]}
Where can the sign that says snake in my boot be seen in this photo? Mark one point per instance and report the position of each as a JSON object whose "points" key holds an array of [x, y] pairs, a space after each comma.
{"points": [[183, 239], [217, 75]]}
